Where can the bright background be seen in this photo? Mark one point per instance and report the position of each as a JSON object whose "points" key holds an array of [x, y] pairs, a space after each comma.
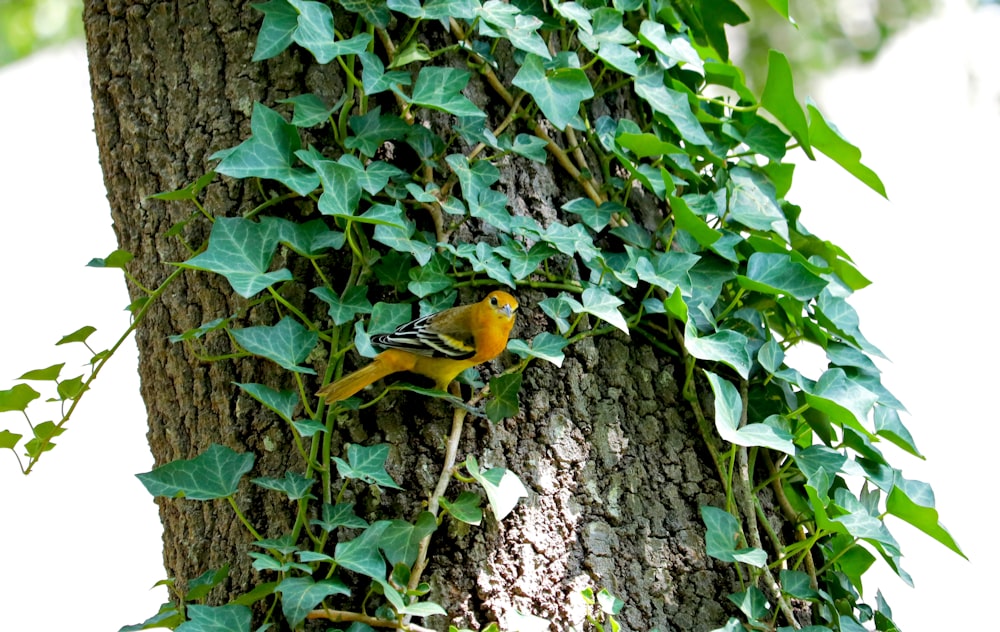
{"points": [[80, 537]]}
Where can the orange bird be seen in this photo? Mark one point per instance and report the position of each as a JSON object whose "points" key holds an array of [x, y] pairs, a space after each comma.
{"points": [[438, 346]]}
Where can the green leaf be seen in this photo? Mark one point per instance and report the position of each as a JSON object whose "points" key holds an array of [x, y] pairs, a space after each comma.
{"points": [[727, 346], [47, 374], [9, 439], [287, 344], [913, 501], [821, 466], [779, 99], [314, 30], [721, 536], [375, 79], [400, 540], [544, 346], [345, 309], [117, 259], [310, 239], [503, 488], [666, 270], [80, 335], [504, 402], [373, 129], [826, 138], [441, 89], [605, 306], [199, 587], [777, 273], [753, 604], [361, 554], [294, 485], [268, 153], [797, 584], [339, 515], [728, 416], [671, 103], [310, 110], [42, 440], [596, 217], [215, 473], [299, 595], [17, 398], [227, 618], [367, 464], [198, 332], [558, 92], [466, 508], [281, 402], [188, 193], [752, 202], [275, 34], [241, 250], [374, 12], [503, 20], [843, 399]]}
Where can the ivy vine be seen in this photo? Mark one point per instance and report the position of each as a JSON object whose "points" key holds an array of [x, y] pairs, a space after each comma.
{"points": [[717, 269]]}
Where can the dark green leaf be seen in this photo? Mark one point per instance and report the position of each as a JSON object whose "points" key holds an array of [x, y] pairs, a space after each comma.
{"points": [[826, 138], [441, 89], [275, 35], [227, 618], [347, 308], [268, 153], [241, 250], [288, 343], [299, 595], [339, 515], [671, 103], [215, 473], [199, 587], [505, 402], [366, 464], [722, 535], [777, 273], [558, 92], [544, 346], [281, 402], [779, 99], [466, 508], [913, 501], [294, 485], [361, 554]]}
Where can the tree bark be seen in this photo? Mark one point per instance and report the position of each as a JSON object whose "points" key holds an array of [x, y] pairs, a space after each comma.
{"points": [[609, 451]]}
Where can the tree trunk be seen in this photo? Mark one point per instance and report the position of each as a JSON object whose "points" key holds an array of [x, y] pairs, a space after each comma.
{"points": [[608, 449]]}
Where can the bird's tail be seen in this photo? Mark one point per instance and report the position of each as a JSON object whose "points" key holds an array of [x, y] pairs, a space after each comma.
{"points": [[354, 382]]}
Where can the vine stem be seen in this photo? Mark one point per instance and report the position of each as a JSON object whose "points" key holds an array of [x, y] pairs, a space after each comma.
{"points": [[746, 503], [340, 616]]}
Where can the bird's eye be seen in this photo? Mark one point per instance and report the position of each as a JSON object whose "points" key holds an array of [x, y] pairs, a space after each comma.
{"points": [[493, 301]]}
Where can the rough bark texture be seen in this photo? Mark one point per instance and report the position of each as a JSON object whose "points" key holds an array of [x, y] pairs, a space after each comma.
{"points": [[607, 448]]}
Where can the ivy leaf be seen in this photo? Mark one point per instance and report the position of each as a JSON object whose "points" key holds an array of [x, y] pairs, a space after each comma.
{"points": [[227, 618], [596, 217], [826, 138], [667, 270], [753, 604], [671, 103], [672, 49], [299, 595], [504, 402], [294, 485], [559, 309], [531, 147], [500, 19], [821, 466], [344, 309], [117, 259], [544, 346], [241, 250], [80, 335], [309, 109], [314, 31], [558, 93], [287, 344], [400, 540], [523, 263], [441, 89], [339, 515], [199, 587], [275, 35], [9, 439], [728, 413], [361, 554], [268, 153], [779, 99], [605, 306], [722, 534], [373, 129], [465, 508], [503, 487], [726, 346], [752, 202], [48, 374], [374, 12], [17, 398], [283, 403], [843, 399], [215, 473], [777, 273], [366, 464], [913, 501]]}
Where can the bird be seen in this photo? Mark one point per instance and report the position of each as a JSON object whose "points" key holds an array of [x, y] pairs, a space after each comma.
{"points": [[438, 346]]}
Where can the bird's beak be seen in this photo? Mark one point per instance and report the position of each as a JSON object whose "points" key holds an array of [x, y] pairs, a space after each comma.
{"points": [[508, 310]]}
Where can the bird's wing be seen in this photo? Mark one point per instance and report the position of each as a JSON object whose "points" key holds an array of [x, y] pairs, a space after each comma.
{"points": [[432, 337]]}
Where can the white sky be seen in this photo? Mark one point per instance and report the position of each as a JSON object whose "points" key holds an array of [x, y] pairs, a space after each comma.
{"points": [[81, 536]]}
